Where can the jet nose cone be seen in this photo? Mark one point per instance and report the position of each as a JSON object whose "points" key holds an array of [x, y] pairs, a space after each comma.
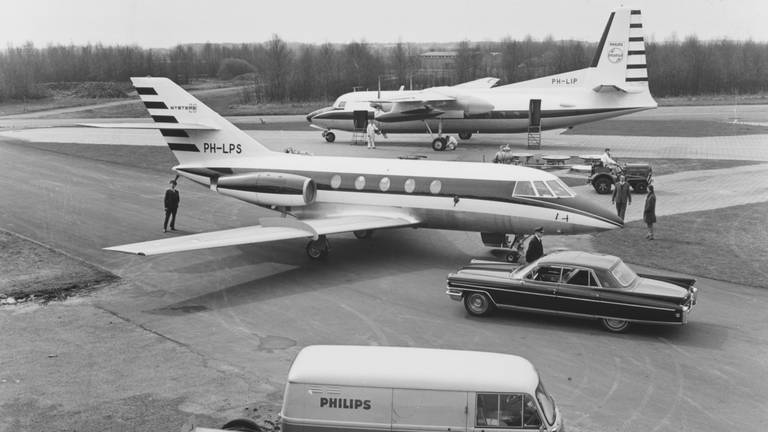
{"points": [[601, 217]]}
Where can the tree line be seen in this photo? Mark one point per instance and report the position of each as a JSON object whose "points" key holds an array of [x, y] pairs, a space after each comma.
{"points": [[279, 71]]}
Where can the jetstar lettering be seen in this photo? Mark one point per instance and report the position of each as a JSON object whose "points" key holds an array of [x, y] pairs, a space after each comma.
{"points": [[344, 403], [222, 148]]}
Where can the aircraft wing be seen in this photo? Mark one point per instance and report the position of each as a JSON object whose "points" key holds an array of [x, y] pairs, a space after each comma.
{"points": [[481, 83], [270, 229]]}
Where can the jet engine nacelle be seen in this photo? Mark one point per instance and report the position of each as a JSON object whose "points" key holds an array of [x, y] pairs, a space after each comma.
{"points": [[268, 188]]}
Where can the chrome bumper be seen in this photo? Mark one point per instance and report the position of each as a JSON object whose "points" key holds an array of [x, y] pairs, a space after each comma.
{"points": [[454, 294]]}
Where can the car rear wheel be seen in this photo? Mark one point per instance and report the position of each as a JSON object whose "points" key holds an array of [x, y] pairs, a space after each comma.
{"points": [[615, 325], [478, 304]]}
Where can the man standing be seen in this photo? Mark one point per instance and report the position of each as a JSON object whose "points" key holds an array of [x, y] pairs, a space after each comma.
{"points": [[371, 134], [621, 196], [649, 212], [503, 156], [171, 206], [535, 247]]}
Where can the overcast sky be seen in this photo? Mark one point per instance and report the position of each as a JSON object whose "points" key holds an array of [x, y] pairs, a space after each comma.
{"points": [[164, 23]]}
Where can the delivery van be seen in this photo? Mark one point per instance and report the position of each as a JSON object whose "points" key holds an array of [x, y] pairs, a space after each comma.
{"points": [[398, 389]]}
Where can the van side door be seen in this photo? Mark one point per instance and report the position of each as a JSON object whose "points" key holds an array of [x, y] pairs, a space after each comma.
{"points": [[429, 410]]}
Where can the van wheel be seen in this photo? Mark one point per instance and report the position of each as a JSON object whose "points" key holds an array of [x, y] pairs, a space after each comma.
{"points": [[615, 325], [242, 425], [363, 234], [478, 304]]}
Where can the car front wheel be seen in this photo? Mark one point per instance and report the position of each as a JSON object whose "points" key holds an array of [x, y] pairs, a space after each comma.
{"points": [[615, 325], [478, 304]]}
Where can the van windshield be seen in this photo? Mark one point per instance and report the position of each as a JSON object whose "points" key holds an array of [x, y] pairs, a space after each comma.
{"points": [[546, 402]]}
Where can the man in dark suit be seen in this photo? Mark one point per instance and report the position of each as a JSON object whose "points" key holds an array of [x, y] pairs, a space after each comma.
{"points": [[621, 196], [171, 206], [535, 247]]}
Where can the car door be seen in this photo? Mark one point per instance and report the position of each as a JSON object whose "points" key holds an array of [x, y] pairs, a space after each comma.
{"points": [[501, 412], [425, 410], [579, 293], [537, 289]]}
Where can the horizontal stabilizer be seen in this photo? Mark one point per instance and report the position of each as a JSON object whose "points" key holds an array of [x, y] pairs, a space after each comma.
{"points": [[270, 230], [184, 126], [605, 88]]}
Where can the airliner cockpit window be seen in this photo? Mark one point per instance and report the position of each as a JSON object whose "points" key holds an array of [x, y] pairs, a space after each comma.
{"points": [[341, 104], [542, 189], [559, 188], [523, 188]]}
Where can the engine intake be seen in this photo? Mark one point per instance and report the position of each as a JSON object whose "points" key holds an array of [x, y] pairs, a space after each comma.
{"points": [[268, 188]]}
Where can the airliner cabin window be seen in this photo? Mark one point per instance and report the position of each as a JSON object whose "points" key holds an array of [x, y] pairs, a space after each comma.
{"points": [[523, 188], [360, 183], [384, 184], [435, 186], [335, 181], [410, 185]]}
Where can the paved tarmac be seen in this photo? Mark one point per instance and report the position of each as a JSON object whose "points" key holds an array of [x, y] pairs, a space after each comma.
{"points": [[212, 333]]}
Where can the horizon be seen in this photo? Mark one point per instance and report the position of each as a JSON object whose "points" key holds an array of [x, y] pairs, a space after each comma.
{"points": [[149, 25]]}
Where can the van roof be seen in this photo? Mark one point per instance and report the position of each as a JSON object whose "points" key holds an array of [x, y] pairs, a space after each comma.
{"points": [[413, 368]]}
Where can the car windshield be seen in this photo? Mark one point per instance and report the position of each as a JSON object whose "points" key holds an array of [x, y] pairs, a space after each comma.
{"points": [[546, 402], [623, 274]]}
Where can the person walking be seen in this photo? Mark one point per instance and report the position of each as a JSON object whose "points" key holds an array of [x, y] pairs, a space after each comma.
{"points": [[649, 212], [172, 199], [503, 156], [621, 196], [535, 246], [371, 134]]}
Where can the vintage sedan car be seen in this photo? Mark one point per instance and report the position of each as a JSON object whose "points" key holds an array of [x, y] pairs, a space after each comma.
{"points": [[578, 284]]}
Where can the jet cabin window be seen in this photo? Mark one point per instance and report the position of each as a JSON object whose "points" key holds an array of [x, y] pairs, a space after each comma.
{"points": [[507, 411]]}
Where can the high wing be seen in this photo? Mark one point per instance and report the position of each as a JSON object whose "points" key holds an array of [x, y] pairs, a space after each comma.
{"points": [[481, 83], [270, 229]]}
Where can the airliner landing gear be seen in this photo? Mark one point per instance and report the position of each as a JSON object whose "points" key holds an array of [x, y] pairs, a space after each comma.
{"points": [[329, 136], [438, 144], [363, 234], [318, 249], [465, 135]]}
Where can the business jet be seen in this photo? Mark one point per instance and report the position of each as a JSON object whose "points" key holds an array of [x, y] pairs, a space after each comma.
{"points": [[316, 196], [616, 83]]}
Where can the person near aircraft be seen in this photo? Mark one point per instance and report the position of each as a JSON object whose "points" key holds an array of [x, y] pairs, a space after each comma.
{"points": [[535, 246], [370, 131], [504, 155], [451, 144], [621, 196], [649, 212], [172, 199]]}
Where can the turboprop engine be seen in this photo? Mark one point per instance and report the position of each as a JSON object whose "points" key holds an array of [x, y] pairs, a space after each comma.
{"points": [[268, 188]]}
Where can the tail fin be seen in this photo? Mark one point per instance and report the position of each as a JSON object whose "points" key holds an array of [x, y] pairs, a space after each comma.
{"points": [[619, 61], [195, 133]]}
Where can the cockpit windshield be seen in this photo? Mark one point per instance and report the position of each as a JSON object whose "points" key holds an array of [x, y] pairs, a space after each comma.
{"points": [[539, 188]]}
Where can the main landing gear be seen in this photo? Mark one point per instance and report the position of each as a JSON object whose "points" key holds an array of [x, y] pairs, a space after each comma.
{"points": [[329, 136], [318, 249]]}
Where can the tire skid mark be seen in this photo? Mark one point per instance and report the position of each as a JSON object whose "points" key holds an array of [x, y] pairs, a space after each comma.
{"points": [[375, 328], [650, 388], [617, 375], [679, 395]]}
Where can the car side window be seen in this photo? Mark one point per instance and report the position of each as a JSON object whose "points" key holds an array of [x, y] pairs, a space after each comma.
{"points": [[546, 274], [578, 277], [531, 418]]}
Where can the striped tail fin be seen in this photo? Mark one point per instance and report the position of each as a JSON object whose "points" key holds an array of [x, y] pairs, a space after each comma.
{"points": [[196, 134], [620, 60]]}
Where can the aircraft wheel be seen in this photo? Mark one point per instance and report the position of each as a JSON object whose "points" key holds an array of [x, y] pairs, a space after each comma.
{"points": [[478, 304], [614, 325], [318, 249], [438, 144], [602, 185], [465, 135], [363, 234], [330, 137], [242, 425]]}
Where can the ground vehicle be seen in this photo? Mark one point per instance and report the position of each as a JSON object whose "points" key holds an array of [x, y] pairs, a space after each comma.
{"points": [[639, 176], [578, 284], [373, 388]]}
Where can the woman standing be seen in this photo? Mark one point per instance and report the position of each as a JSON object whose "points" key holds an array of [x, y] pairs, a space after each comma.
{"points": [[649, 212]]}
